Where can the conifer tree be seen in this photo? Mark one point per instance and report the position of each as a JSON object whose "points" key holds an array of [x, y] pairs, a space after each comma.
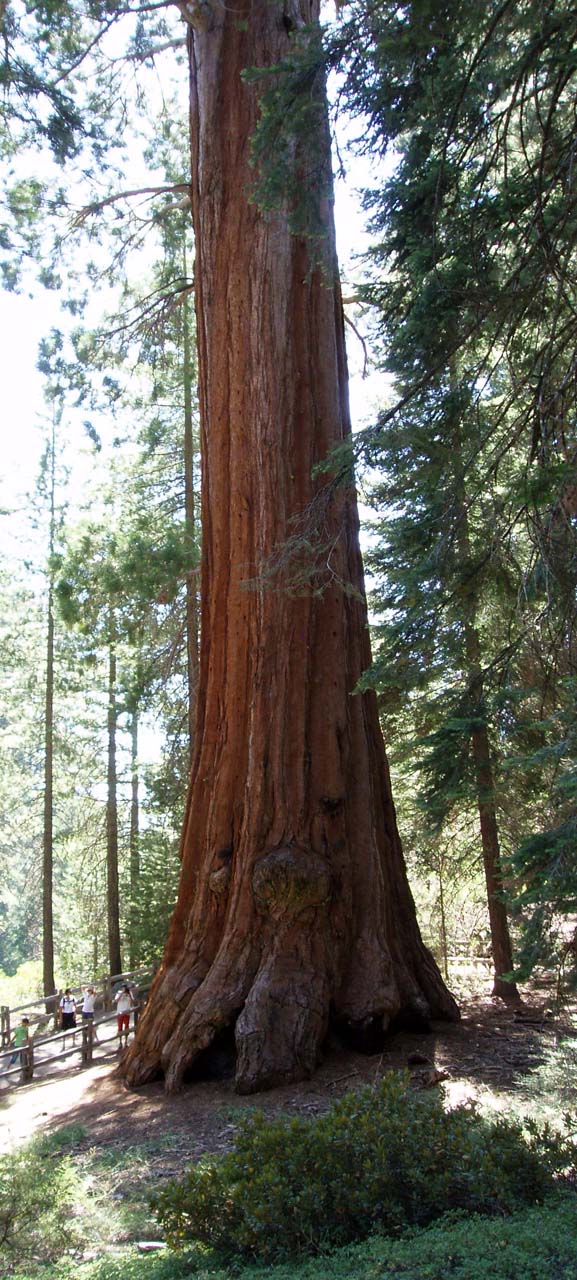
{"points": [[473, 281], [49, 984]]}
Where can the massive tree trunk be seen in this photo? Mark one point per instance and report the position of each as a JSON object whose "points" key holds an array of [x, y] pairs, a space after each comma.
{"points": [[294, 907]]}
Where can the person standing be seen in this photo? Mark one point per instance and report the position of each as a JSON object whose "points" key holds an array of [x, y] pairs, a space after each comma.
{"points": [[67, 1015], [88, 998], [124, 1003], [19, 1039]]}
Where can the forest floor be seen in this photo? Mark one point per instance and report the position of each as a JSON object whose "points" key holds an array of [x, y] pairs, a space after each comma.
{"points": [[496, 1051]]}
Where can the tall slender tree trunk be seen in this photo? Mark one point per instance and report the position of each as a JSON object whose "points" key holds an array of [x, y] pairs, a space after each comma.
{"points": [[112, 891], [48, 981], [444, 948], [134, 838], [190, 526], [294, 907], [501, 949]]}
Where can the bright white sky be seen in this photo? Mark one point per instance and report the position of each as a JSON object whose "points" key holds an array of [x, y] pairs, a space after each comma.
{"points": [[23, 321]]}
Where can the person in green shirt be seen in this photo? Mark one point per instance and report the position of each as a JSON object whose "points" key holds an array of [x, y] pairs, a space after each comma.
{"points": [[19, 1039]]}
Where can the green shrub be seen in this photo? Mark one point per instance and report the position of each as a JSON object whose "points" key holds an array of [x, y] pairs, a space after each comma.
{"points": [[382, 1159], [37, 1195]]}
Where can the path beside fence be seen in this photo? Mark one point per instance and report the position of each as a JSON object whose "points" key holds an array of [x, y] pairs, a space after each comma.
{"points": [[46, 1049]]}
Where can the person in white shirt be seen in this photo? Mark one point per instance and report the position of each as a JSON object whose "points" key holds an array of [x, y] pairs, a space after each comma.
{"points": [[89, 996], [67, 1015], [124, 1003]]}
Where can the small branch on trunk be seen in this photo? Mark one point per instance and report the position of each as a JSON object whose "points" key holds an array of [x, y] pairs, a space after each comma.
{"points": [[158, 48], [99, 205], [362, 342]]}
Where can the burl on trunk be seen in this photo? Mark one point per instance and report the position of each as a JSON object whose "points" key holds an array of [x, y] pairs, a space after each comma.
{"points": [[294, 908]]}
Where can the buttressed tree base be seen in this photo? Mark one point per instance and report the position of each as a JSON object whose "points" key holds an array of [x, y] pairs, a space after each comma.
{"points": [[294, 909]]}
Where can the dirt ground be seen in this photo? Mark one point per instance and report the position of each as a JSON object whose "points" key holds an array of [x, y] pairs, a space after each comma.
{"points": [[493, 1046]]}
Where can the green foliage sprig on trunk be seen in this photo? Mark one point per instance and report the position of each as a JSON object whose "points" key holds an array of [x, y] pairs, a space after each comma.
{"points": [[293, 120], [382, 1159]]}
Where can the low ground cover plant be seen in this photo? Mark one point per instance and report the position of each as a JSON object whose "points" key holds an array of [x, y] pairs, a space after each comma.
{"points": [[38, 1190], [529, 1245], [382, 1160]]}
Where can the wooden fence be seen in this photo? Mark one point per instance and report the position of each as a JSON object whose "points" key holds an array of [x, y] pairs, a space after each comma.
{"points": [[45, 1011]]}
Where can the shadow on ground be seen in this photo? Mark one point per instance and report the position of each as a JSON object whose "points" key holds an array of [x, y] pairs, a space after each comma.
{"points": [[494, 1046]]}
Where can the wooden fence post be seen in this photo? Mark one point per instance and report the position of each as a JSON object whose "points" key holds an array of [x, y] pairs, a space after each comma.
{"points": [[27, 1061], [56, 1015], [87, 1042], [5, 1024], [107, 992], [56, 1009]]}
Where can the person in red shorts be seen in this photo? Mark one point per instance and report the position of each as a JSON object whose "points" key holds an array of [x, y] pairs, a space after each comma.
{"points": [[124, 1003]]}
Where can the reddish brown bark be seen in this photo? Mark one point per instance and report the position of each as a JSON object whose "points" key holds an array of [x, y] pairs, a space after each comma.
{"points": [[294, 906], [190, 522]]}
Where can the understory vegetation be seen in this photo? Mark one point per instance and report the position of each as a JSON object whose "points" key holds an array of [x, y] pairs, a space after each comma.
{"points": [[527, 1246], [388, 1182], [383, 1159]]}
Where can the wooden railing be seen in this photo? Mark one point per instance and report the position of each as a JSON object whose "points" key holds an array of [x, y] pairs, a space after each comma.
{"points": [[45, 1010]]}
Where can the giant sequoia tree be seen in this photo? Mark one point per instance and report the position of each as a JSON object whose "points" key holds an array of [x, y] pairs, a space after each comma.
{"points": [[294, 906]]}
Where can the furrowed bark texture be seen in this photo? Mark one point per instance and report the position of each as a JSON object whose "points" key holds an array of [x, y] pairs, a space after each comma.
{"points": [[294, 906]]}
